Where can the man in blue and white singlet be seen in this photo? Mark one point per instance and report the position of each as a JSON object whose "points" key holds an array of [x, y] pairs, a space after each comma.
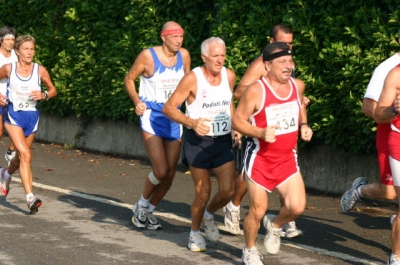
{"points": [[160, 69], [20, 114], [207, 91]]}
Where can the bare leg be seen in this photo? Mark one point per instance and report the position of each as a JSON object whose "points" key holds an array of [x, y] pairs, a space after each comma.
{"points": [[226, 181], [257, 208], [164, 158], [201, 179], [24, 158], [240, 190]]}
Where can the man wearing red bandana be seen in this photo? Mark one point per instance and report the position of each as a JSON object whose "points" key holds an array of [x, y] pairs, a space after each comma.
{"points": [[160, 69]]}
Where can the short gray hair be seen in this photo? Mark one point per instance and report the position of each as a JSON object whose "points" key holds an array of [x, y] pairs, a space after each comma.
{"points": [[205, 46]]}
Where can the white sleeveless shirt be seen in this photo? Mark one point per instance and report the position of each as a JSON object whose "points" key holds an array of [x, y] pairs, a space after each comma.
{"points": [[6, 60], [20, 88], [212, 102]]}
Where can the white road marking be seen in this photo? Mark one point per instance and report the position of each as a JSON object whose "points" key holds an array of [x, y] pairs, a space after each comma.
{"points": [[220, 226]]}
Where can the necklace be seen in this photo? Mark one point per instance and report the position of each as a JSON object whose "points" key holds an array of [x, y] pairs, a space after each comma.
{"points": [[166, 58], [25, 68]]}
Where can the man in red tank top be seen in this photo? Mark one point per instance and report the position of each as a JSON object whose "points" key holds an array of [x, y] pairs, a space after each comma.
{"points": [[272, 105], [388, 108]]}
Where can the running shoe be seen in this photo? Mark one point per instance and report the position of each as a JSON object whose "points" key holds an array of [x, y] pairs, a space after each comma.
{"points": [[33, 204], [394, 260], [4, 184], [251, 256], [197, 243], [211, 230], [290, 230], [232, 219], [351, 197], [272, 240], [152, 222], [9, 155], [139, 218]]}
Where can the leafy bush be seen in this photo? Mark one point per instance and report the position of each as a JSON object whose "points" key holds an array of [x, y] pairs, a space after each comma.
{"points": [[89, 46]]}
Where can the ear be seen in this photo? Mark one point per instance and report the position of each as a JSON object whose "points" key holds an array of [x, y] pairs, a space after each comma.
{"points": [[162, 37], [203, 57]]}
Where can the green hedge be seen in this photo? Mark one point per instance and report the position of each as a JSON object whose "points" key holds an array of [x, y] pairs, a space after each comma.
{"points": [[88, 46]]}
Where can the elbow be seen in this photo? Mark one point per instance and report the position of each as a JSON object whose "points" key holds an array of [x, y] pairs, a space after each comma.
{"points": [[364, 110], [164, 111], [235, 125], [237, 95], [377, 116]]}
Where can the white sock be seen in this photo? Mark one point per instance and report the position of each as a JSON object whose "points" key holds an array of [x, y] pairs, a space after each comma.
{"points": [[207, 215], [233, 207], [150, 208], [359, 192], [143, 202], [192, 232], [29, 195]]}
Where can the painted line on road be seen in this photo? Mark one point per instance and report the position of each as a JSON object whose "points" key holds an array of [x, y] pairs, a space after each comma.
{"points": [[188, 221]]}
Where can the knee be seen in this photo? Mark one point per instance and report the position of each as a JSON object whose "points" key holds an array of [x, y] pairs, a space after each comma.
{"points": [[297, 208], [227, 195], [25, 157], [389, 196], [257, 212], [202, 198], [164, 174], [388, 192]]}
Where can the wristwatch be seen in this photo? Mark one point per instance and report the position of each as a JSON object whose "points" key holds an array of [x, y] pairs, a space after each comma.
{"points": [[46, 95], [394, 112]]}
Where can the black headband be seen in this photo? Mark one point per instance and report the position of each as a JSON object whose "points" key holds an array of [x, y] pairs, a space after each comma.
{"points": [[272, 56]]}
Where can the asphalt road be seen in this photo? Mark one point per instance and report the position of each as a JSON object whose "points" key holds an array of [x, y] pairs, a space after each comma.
{"points": [[86, 219]]}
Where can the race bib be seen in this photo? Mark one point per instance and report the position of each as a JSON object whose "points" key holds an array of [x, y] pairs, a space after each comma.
{"points": [[285, 115], [23, 102], [165, 88], [220, 124]]}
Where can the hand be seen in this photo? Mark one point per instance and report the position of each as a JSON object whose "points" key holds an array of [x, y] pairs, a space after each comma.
{"points": [[306, 100], [3, 100], [202, 126], [268, 134], [396, 103], [236, 139], [306, 133], [36, 95], [140, 108]]}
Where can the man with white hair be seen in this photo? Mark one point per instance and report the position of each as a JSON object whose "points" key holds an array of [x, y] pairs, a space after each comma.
{"points": [[207, 91]]}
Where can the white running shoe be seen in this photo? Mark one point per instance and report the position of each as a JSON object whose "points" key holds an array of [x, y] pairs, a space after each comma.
{"points": [[290, 230], [139, 218], [4, 184], [394, 261], [9, 155], [351, 197], [152, 222], [33, 204], [211, 229], [272, 240], [251, 256], [197, 243], [232, 219]]}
